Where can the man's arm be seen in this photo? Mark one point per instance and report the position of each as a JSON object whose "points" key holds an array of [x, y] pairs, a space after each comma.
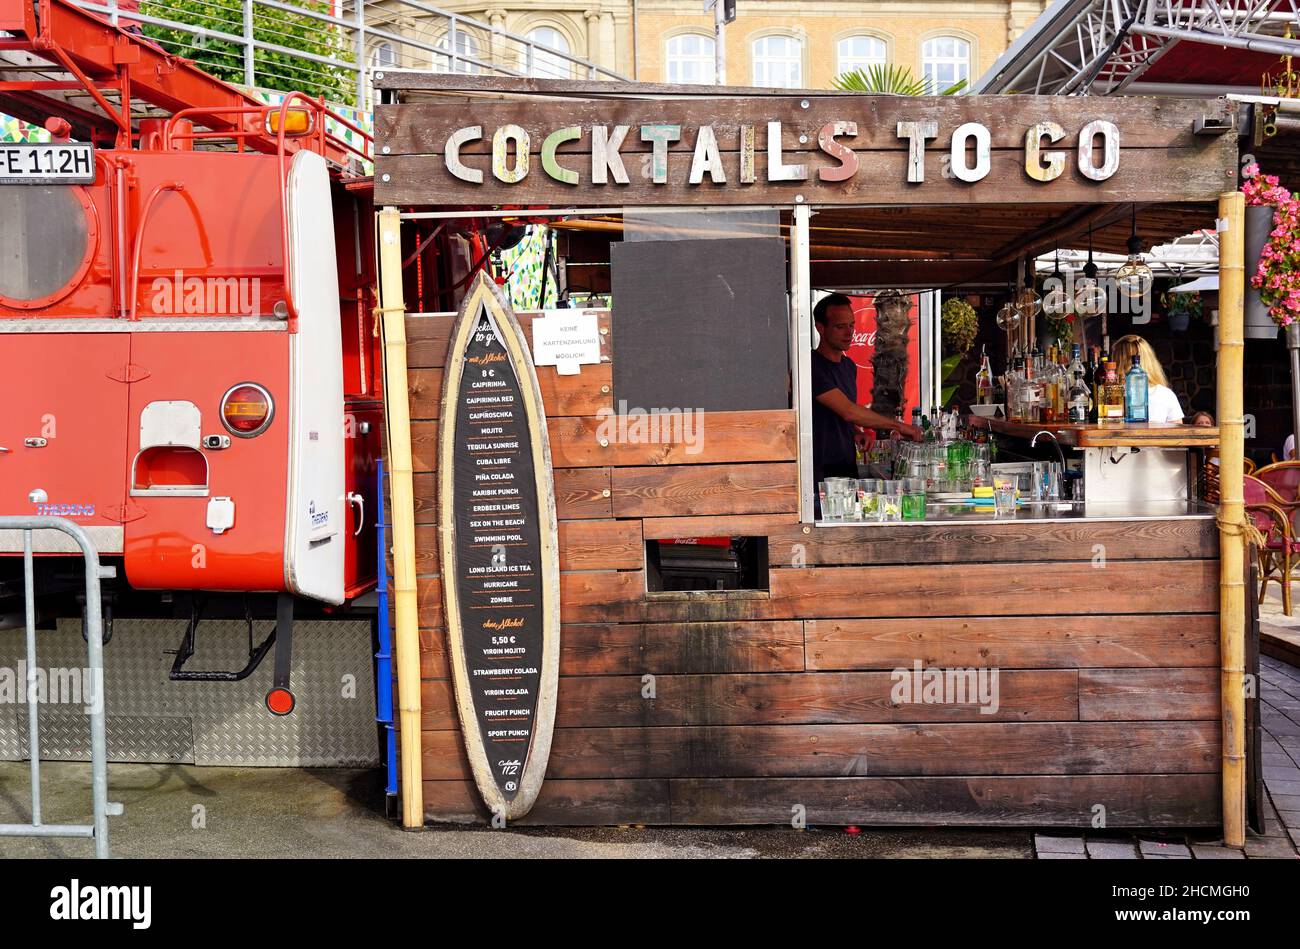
{"points": [[850, 411]]}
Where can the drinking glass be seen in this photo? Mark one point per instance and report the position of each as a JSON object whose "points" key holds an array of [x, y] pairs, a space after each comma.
{"points": [[891, 501], [913, 506], [869, 498], [853, 506], [1052, 487], [831, 494], [846, 489], [1004, 499], [981, 460], [903, 457], [938, 464]]}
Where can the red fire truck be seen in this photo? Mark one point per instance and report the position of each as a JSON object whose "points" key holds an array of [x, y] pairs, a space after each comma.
{"points": [[190, 362]]}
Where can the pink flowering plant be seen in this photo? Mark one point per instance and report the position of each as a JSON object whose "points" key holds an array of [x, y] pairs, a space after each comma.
{"points": [[1277, 278]]}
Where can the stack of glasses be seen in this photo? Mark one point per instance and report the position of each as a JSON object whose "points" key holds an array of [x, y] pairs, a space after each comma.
{"points": [[947, 467], [872, 499]]}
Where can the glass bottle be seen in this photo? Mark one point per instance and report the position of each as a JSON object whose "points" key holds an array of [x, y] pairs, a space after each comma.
{"points": [[984, 382], [1112, 394], [1063, 380], [1098, 376], [1076, 363], [1033, 391], [1135, 394], [1047, 380], [1080, 400], [1015, 386]]}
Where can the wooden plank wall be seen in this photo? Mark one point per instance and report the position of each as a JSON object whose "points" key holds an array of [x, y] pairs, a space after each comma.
{"points": [[752, 707]]}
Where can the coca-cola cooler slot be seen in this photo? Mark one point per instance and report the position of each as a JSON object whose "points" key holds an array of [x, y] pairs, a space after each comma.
{"points": [[706, 563]]}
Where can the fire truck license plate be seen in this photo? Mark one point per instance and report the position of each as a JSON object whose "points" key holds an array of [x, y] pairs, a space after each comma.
{"points": [[52, 163]]}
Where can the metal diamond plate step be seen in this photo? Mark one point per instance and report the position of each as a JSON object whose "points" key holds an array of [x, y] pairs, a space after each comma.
{"points": [[152, 719]]}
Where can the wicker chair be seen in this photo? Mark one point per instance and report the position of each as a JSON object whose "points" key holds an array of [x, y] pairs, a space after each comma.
{"points": [[1283, 477], [1248, 466], [1280, 551]]}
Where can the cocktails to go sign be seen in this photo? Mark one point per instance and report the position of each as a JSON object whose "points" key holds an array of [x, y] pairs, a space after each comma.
{"points": [[969, 153], [820, 149]]}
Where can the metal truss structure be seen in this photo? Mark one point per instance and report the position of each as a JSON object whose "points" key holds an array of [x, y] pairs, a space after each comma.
{"points": [[1102, 47]]}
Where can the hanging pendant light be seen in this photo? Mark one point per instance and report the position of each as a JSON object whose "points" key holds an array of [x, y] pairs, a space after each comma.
{"points": [[1028, 303], [1089, 296], [1057, 301], [1134, 278], [1008, 318]]}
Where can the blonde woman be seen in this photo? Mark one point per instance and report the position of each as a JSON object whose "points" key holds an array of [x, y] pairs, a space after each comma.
{"points": [[1163, 407]]}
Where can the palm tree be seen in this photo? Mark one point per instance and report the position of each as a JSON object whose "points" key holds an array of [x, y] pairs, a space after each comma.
{"points": [[888, 79]]}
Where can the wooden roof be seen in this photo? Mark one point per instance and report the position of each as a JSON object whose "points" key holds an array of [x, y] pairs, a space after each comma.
{"points": [[951, 246]]}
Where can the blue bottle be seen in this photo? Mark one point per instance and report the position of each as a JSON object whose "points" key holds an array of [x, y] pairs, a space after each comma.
{"points": [[1135, 394]]}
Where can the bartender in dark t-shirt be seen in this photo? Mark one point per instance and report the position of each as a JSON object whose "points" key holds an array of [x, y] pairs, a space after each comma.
{"points": [[835, 411]]}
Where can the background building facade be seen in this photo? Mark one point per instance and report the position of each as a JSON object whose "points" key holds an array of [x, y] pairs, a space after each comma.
{"points": [[780, 43]]}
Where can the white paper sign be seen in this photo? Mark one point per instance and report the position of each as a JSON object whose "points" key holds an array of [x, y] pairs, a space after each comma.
{"points": [[566, 339]]}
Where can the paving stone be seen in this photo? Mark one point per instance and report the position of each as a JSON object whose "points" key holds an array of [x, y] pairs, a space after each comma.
{"points": [[1286, 802], [1161, 848], [1048, 855], [1290, 818], [1112, 850], [1208, 852], [1272, 847], [1044, 844], [1283, 787]]}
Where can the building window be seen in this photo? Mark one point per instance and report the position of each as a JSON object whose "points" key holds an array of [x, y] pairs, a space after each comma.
{"points": [[691, 59], [383, 57], [859, 52], [778, 62], [466, 46], [945, 61], [546, 65]]}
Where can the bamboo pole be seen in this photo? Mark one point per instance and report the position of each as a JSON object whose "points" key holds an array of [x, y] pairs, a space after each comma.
{"points": [[1232, 543], [397, 419]]}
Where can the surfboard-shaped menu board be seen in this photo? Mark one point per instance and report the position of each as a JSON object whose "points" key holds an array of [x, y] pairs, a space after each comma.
{"points": [[497, 536]]}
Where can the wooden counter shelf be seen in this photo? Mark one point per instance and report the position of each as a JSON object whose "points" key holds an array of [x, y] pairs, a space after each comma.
{"points": [[1112, 435]]}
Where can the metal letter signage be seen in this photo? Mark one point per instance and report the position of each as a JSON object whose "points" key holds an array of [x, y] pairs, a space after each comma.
{"points": [[497, 541], [822, 150]]}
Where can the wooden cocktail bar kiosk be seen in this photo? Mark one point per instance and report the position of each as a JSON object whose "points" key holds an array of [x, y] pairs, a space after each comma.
{"points": [[1064, 665]]}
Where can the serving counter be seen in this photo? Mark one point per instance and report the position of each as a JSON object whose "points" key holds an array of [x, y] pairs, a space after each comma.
{"points": [[1047, 511], [1122, 462], [1105, 435]]}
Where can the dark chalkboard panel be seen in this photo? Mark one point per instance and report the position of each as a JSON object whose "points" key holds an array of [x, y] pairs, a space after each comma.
{"points": [[702, 324], [498, 549]]}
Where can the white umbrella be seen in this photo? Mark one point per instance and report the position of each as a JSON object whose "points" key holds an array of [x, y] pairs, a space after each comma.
{"points": [[1197, 285]]}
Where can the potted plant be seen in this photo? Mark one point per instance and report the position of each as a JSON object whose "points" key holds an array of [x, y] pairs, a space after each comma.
{"points": [[1276, 264], [959, 326], [1181, 308]]}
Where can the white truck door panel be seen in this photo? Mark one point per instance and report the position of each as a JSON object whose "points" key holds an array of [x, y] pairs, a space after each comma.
{"points": [[317, 515]]}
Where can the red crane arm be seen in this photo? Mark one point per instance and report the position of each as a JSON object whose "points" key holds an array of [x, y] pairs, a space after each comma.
{"points": [[84, 50]]}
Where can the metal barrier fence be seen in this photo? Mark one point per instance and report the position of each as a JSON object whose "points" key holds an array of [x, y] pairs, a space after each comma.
{"points": [[98, 828], [328, 48]]}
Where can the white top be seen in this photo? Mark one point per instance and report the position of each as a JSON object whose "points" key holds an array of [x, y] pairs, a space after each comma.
{"points": [[1288, 450], [1163, 407]]}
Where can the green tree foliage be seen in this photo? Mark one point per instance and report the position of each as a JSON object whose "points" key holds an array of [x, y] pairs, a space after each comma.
{"points": [[224, 58]]}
